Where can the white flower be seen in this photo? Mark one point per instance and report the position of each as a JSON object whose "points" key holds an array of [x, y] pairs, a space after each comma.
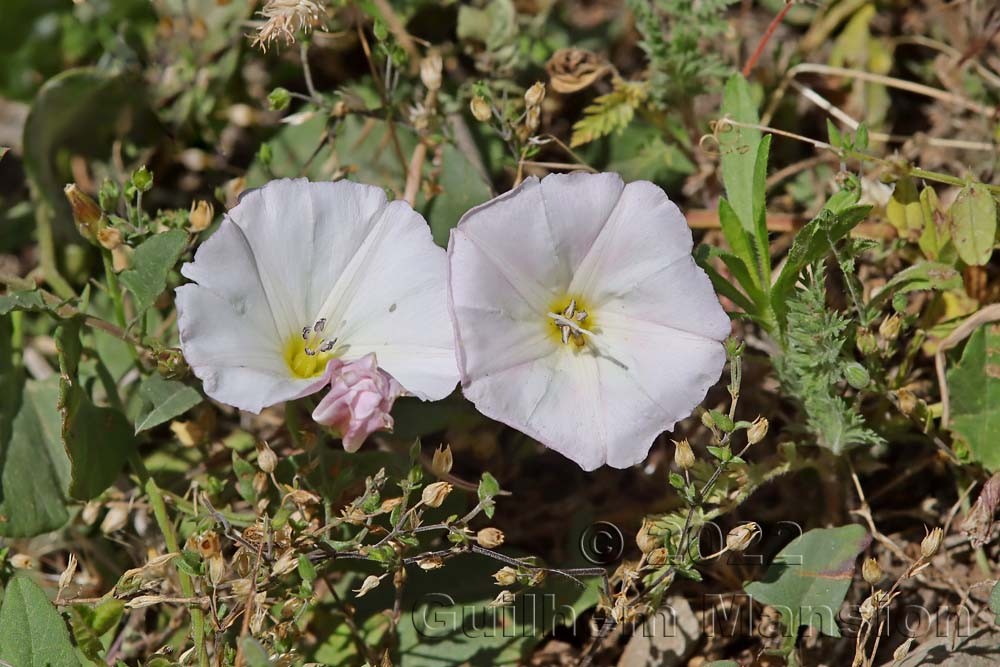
{"points": [[300, 274], [580, 316]]}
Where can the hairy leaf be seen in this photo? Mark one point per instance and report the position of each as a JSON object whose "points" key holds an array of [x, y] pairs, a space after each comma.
{"points": [[32, 633], [165, 400], [974, 224]]}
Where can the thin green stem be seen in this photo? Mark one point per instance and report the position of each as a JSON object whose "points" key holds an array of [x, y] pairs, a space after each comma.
{"points": [[47, 253], [187, 586], [114, 290]]}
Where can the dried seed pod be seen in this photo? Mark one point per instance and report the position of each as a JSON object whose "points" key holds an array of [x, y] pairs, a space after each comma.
{"points": [[490, 538]]}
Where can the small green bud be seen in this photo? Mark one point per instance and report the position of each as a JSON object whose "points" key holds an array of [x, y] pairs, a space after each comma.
{"points": [[142, 179], [108, 195], [380, 31], [866, 343], [856, 375], [279, 99], [264, 154]]}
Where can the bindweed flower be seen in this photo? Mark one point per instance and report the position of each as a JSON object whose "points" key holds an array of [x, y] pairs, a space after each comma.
{"points": [[580, 316], [358, 403], [301, 284]]}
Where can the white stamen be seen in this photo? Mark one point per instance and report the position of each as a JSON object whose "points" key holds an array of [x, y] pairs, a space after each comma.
{"points": [[305, 332], [320, 325]]}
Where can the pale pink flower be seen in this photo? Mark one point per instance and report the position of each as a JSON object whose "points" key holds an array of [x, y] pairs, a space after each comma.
{"points": [[581, 317], [359, 401], [302, 278]]}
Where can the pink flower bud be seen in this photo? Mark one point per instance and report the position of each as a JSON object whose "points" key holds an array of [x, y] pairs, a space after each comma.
{"points": [[360, 398]]}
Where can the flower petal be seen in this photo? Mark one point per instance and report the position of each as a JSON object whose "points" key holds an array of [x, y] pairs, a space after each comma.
{"points": [[239, 364], [645, 232], [577, 207], [511, 231], [679, 296], [391, 300]]}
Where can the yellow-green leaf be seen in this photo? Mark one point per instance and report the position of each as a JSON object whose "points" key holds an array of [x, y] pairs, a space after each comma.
{"points": [[974, 224]]}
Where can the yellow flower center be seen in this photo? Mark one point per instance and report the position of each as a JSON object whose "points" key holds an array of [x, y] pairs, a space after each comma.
{"points": [[308, 352], [570, 321]]}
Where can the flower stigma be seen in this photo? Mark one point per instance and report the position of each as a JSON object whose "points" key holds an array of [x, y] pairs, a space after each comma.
{"points": [[567, 321], [308, 353]]}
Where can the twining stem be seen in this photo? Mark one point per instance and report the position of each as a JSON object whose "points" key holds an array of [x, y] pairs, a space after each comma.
{"points": [[170, 538]]}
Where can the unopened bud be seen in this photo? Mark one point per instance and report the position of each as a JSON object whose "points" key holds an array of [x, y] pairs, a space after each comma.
{"points": [[930, 544], [279, 99], [505, 576], [756, 431], [109, 238], [889, 329], [216, 569], [866, 343], [534, 95], [66, 578], [86, 213], [645, 540], [430, 71], [22, 562], [442, 461], [201, 215], [142, 179], [871, 572], [90, 512], [121, 258], [657, 557], [430, 563], [267, 460], [115, 519], [434, 494], [489, 538], [902, 651], [856, 375], [683, 454], [370, 582], [504, 599], [533, 118], [740, 537], [480, 109], [907, 401]]}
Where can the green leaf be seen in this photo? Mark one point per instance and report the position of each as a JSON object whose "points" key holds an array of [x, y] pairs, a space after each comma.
{"points": [[34, 468], [974, 385], [737, 238], [760, 210], [461, 188], [89, 625], [32, 633], [809, 578], [29, 300], [921, 276], [488, 486], [814, 241], [98, 440], [153, 260], [255, 654], [974, 224], [739, 148], [166, 399]]}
